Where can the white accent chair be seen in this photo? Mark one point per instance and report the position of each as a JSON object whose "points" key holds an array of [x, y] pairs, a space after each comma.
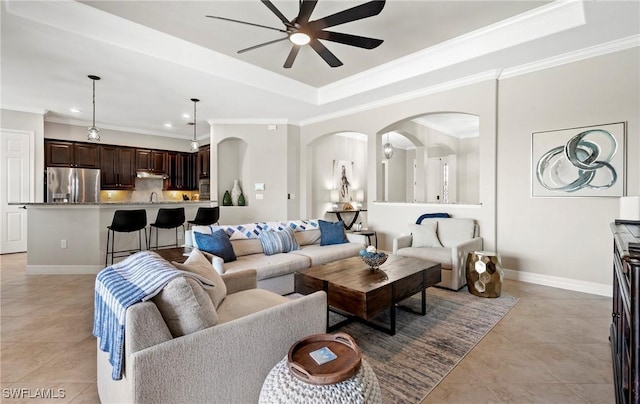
{"points": [[443, 240]]}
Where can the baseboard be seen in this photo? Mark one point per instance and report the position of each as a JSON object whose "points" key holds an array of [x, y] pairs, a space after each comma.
{"points": [[63, 269], [558, 282]]}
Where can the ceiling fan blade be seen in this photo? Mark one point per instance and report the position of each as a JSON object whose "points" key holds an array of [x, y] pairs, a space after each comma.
{"points": [[325, 53], [277, 12], [247, 23], [352, 14], [292, 56], [306, 8], [262, 44], [348, 39]]}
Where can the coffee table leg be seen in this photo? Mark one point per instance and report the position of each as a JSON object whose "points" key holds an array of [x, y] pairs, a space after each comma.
{"points": [[392, 315], [424, 293]]}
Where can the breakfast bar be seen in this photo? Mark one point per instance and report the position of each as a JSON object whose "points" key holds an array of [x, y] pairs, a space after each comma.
{"points": [[71, 238]]}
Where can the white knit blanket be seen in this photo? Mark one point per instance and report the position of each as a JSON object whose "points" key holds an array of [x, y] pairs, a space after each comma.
{"points": [[137, 278]]}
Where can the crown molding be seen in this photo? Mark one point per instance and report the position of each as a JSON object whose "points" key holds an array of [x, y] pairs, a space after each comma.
{"points": [[38, 111], [571, 57], [249, 121], [438, 88], [522, 28]]}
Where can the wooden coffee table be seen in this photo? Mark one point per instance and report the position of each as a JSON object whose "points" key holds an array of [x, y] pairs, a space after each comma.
{"points": [[177, 254], [360, 294]]}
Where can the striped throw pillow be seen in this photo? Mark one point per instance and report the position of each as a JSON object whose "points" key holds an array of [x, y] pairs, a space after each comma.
{"points": [[274, 242]]}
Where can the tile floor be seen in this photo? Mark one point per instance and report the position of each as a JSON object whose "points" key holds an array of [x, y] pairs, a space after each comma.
{"points": [[551, 348]]}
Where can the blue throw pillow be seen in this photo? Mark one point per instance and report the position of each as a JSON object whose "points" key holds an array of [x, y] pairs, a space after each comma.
{"points": [[274, 242], [332, 233], [217, 243]]}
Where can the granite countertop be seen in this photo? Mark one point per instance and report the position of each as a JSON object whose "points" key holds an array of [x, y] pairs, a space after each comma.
{"points": [[111, 203]]}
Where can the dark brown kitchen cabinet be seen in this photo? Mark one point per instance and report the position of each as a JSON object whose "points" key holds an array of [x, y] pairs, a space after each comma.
{"points": [[181, 171], [118, 167], [624, 333], [151, 160], [203, 162], [71, 154]]}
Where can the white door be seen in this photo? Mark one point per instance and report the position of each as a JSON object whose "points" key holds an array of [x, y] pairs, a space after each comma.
{"points": [[15, 184]]}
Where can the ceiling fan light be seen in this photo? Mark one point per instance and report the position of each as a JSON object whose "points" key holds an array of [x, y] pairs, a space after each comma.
{"points": [[299, 38], [387, 149], [93, 134]]}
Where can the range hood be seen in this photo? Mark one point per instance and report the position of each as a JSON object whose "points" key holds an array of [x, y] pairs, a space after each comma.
{"points": [[151, 175]]}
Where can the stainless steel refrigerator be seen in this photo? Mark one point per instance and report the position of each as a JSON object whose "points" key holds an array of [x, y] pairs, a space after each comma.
{"points": [[73, 185]]}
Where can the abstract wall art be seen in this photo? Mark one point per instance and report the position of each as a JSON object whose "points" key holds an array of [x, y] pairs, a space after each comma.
{"points": [[579, 162], [342, 179]]}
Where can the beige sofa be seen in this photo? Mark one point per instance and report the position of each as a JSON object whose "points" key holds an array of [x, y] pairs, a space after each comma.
{"points": [[275, 272], [443, 240], [225, 363]]}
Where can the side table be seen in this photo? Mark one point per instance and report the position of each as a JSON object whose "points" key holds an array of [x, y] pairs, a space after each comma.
{"points": [[281, 386], [484, 273], [368, 234]]}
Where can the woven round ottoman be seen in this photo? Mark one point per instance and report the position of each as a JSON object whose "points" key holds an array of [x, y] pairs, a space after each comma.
{"points": [[281, 386]]}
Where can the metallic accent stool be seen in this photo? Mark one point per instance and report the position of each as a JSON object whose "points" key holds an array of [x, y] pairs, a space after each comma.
{"points": [[484, 274]]}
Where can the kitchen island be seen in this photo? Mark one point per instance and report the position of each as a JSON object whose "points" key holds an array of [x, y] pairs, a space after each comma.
{"points": [[71, 238]]}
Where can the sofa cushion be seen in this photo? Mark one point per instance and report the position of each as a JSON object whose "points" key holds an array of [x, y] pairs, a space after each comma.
{"points": [[199, 264], [435, 254], [308, 237], [185, 306], [269, 266], [247, 247], [216, 243], [275, 242], [322, 254], [247, 302], [332, 233], [424, 235], [453, 232]]}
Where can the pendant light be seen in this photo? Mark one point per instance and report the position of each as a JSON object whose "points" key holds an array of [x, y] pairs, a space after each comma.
{"points": [[93, 133], [387, 149], [195, 146]]}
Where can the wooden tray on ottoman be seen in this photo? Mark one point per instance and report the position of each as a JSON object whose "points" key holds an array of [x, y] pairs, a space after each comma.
{"points": [[305, 368]]}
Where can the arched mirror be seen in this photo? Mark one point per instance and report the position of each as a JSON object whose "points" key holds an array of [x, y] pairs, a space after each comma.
{"points": [[431, 158]]}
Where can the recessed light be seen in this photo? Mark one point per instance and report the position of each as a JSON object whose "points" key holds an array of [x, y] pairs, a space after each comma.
{"points": [[168, 125], [74, 110], [186, 116]]}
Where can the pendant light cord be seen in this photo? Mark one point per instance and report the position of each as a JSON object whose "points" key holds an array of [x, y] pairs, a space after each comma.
{"points": [[94, 102], [194, 120]]}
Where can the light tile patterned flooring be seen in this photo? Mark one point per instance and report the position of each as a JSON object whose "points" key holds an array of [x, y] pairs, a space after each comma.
{"points": [[551, 348]]}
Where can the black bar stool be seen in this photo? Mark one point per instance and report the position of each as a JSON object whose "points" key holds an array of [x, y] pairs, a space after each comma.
{"points": [[205, 217], [168, 219], [126, 221]]}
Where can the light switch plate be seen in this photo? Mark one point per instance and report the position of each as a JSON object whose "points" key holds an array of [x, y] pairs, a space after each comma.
{"points": [[259, 196]]}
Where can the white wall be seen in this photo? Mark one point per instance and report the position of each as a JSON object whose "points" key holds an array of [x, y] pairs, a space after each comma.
{"points": [[390, 219], [29, 122], [265, 161], [54, 130], [323, 152], [563, 237]]}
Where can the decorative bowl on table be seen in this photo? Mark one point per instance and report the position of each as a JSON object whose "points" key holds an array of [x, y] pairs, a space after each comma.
{"points": [[373, 258]]}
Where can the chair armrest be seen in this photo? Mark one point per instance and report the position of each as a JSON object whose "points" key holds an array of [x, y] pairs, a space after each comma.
{"points": [[402, 242], [241, 280], [216, 262], [227, 362]]}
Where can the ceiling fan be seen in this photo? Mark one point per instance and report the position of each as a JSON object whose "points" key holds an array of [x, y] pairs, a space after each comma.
{"points": [[300, 31]]}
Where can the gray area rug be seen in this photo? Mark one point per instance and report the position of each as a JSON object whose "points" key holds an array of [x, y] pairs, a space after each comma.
{"points": [[426, 348]]}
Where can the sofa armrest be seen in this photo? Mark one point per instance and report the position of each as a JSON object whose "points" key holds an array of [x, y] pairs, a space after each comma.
{"points": [[228, 362], [460, 251], [145, 327], [402, 242], [240, 280], [357, 238], [216, 262], [188, 238]]}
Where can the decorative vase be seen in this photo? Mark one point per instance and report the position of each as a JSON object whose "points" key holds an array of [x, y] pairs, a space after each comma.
{"points": [[241, 201], [226, 199], [235, 192]]}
